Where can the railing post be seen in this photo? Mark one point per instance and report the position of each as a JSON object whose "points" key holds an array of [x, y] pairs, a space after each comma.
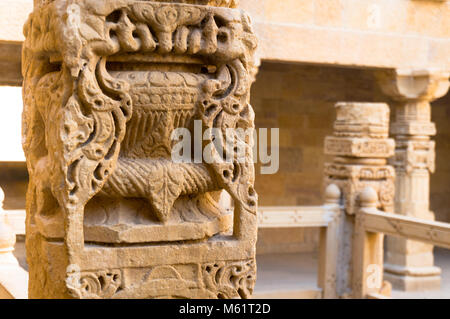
{"points": [[328, 244], [367, 250], [360, 147]]}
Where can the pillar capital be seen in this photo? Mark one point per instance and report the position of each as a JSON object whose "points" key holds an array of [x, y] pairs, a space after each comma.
{"points": [[405, 85], [412, 91]]}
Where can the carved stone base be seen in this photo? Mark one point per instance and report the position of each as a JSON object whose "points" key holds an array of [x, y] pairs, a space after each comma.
{"points": [[413, 283], [410, 265], [219, 268]]}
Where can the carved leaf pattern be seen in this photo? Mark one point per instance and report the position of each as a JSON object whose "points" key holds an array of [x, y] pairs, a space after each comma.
{"points": [[223, 108], [91, 137], [94, 285], [164, 189], [230, 280]]}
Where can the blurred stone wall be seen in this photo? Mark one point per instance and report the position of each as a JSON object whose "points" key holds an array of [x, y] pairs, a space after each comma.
{"points": [[440, 180]]}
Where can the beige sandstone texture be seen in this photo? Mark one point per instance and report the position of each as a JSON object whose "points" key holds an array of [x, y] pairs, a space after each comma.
{"points": [[109, 214], [363, 33], [296, 98]]}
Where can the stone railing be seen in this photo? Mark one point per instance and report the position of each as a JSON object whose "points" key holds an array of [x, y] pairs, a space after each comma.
{"points": [[370, 225]]}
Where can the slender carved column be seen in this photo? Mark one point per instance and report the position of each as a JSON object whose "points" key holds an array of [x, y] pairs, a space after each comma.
{"points": [[360, 147], [409, 264], [110, 212]]}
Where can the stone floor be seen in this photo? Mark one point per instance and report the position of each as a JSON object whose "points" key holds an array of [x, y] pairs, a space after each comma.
{"points": [[295, 276], [286, 276]]}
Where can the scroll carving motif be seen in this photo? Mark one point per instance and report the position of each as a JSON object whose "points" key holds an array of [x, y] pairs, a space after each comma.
{"points": [[220, 280], [101, 284]]}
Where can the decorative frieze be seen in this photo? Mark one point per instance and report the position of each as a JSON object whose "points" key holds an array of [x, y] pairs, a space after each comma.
{"points": [[359, 147], [410, 155]]}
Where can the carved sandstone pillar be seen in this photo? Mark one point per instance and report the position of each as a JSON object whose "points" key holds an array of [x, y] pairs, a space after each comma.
{"points": [[110, 213], [409, 264], [360, 147]]}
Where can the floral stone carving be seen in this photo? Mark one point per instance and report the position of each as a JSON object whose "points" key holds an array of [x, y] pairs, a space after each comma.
{"points": [[109, 213]]}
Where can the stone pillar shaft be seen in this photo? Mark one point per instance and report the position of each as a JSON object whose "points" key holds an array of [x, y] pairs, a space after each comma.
{"points": [[409, 264]]}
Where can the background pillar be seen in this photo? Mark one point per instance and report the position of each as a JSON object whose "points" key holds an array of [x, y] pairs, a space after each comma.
{"points": [[410, 264]]}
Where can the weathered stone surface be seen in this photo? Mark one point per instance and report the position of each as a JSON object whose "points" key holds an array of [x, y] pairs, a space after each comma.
{"points": [[109, 213]]}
